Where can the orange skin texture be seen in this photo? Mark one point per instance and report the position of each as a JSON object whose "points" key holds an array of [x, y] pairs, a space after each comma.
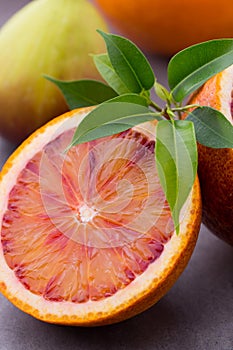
{"points": [[166, 28], [148, 297], [215, 171]]}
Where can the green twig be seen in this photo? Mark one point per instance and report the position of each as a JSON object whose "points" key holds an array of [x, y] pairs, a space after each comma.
{"points": [[155, 106], [184, 108]]}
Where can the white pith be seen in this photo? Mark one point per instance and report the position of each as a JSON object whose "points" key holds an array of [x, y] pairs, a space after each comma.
{"points": [[86, 213], [136, 288], [226, 92]]}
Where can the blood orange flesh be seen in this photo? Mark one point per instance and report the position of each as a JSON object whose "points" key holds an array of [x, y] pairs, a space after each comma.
{"points": [[85, 237]]}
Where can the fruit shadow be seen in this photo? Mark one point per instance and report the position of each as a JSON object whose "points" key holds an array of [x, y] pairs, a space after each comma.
{"points": [[6, 148]]}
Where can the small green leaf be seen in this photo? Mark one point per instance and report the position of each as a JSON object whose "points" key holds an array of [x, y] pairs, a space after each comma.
{"points": [[162, 92], [130, 98], [192, 67], [129, 63], [212, 128], [105, 68], [83, 93], [176, 159], [111, 118]]}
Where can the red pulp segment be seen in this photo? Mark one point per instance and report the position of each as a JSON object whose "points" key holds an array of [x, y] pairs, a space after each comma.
{"points": [[82, 225]]}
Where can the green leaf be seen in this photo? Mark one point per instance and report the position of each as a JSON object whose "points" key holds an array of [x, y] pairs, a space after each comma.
{"points": [[111, 118], [162, 92], [176, 159], [129, 63], [192, 67], [130, 98], [83, 93], [212, 128], [105, 68]]}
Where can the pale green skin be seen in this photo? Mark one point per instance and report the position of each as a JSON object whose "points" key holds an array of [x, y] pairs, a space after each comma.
{"points": [[54, 37]]}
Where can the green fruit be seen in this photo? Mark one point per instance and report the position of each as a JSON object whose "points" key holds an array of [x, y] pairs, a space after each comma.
{"points": [[45, 37]]}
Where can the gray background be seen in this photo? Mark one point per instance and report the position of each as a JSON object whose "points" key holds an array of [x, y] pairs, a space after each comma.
{"points": [[197, 313]]}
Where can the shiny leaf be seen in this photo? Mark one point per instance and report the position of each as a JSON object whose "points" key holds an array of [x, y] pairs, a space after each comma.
{"points": [[83, 93], [176, 159], [192, 67], [212, 128]]}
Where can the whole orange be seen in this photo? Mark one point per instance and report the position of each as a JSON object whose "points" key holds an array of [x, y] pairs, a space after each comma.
{"points": [[167, 27], [215, 166]]}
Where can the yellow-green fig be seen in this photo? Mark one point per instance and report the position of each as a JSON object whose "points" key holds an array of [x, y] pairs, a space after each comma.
{"points": [[51, 37]]}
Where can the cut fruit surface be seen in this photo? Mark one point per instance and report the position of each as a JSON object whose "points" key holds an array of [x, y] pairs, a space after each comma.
{"points": [[215, 166], [87, 236]]}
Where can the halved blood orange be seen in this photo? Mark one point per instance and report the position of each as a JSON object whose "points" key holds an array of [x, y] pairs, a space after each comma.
{"points": [[87, 236]]}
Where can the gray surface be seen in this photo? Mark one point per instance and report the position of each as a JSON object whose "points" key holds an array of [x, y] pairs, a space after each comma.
{"points": [[197, 313]]}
